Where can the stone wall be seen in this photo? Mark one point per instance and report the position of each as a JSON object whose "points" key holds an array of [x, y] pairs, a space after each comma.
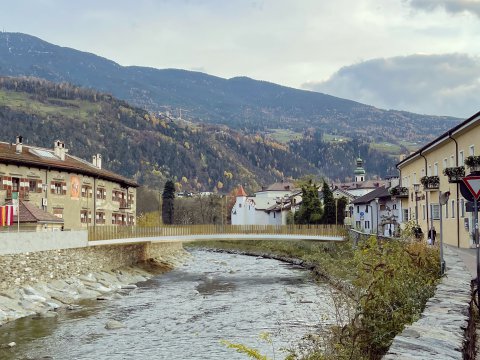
{"points": [[43, 266], [440, 333]]}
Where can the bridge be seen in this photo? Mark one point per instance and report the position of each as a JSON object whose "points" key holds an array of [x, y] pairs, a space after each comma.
{"points": [[109, 235]]}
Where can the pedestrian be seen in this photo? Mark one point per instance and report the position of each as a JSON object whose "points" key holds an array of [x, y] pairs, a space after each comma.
{"points": [[432, 234]]}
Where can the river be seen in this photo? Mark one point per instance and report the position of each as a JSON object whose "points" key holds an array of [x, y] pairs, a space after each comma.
{"points": [[184, 314]]}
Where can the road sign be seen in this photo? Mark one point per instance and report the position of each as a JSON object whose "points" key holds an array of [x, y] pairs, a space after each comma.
{"points": [[362, 213], [473, 185], [469, 206]]}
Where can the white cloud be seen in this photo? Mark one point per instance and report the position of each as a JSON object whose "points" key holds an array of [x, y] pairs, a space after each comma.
{"points": [[451, 6], [446, 84]]}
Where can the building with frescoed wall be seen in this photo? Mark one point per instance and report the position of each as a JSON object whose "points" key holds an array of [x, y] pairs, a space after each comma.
{"points": [[449, 150], [81, 193]]}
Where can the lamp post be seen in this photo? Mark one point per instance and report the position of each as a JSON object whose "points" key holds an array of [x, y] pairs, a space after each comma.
{"points": [[416, 189], [376, 202], [443, 200]]}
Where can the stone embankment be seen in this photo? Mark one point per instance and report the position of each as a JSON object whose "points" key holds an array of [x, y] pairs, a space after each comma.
{"points": [[443, 330], [45, 281]]}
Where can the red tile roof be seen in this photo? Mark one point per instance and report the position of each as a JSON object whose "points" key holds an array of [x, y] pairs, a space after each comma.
{"points": [[240, 191], [27, 157]]}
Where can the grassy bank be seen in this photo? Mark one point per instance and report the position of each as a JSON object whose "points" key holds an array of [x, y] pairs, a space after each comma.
{"points": [[390, 284]]}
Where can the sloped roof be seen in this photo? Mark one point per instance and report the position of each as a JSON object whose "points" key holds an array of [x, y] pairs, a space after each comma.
{"points": [[240, 191], [28, 157], [30, 213], [380, 193], [280, 186], [368, 184]]}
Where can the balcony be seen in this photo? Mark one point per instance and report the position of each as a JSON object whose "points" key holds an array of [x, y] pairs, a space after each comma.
{"points": [[455, 174], [430, 183], [399, 192]]}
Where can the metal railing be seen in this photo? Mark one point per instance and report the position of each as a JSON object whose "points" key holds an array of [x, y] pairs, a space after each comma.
{"points": [[127, 232]]}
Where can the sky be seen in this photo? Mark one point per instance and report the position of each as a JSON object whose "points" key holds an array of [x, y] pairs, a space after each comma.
{"points": [[415, 55]]}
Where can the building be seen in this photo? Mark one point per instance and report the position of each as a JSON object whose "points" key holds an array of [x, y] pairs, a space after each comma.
{"points": [[361, 185], [377, 212], [79, 192], [422, 176], [268, 206]]}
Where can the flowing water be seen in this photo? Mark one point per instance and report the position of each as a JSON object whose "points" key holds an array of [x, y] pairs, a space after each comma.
{"points": [[184, 314]]}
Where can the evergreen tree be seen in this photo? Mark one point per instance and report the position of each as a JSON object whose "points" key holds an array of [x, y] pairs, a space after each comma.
{"points": [[341, 207], [310, 211], [328, 205], [168, 197]]}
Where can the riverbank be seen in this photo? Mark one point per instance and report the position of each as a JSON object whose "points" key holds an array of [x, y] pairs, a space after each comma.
{"points": [[389, 284], [44, 298]]}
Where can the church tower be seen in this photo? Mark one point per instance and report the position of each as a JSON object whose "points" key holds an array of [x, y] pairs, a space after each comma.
{"points": [[359, 171]]}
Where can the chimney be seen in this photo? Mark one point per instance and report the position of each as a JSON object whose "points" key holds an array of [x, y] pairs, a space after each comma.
{"points": [[97, 160], [19, 144], [59, 149]]}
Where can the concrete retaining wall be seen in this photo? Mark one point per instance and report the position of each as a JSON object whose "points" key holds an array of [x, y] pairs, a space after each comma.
{"points": [[22, 242]]}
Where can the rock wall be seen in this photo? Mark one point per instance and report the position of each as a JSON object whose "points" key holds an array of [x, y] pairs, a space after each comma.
{"points": [[440, 333], [43, 266]]}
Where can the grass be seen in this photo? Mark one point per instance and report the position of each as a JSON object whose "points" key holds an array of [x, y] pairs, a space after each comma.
{"points": [[335, 138], [388, 148], [71, 109], [283, 136]]}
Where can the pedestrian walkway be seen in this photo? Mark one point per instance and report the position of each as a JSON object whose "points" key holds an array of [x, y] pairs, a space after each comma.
{"points": [[469, 257]]}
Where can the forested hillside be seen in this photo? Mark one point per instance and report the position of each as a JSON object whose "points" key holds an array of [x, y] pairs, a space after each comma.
{"points": [[242, 103], [152, 149]]}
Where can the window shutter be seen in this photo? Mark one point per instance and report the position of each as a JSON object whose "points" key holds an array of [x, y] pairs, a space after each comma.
{"points": [[52, 187], [64, 188], [39, 186]]}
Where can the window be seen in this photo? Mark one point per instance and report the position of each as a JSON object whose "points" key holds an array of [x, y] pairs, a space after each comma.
{"points": [[435, 169], [32, 185], [366, 209], [471, 150], [435, 212], [131, 220], [452, 161], [87, 191], [429, 172], [445, 163], [58, 187], [424, 212], [15, 184], [446, 211], [85, 216], [100, 217], [58, 212], [367, 224], [423, 172], [462, 207], [358, 209], [358, 224], [461, 159], [405, 214], [453, 208], [131, 199], [414, 177], [101, 193], [394, 206]]}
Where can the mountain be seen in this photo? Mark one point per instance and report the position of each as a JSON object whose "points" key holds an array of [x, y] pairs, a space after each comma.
{"points": [[241, 103]]}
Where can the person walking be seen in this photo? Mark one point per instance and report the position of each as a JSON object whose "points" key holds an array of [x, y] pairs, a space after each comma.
{"points": [[432, 234]]}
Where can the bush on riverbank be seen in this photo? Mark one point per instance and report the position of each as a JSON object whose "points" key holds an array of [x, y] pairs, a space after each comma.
{"points": [[391, 283]]}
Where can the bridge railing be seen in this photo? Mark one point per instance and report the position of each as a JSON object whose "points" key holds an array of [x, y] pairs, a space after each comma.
{"points": [[127, 232]]}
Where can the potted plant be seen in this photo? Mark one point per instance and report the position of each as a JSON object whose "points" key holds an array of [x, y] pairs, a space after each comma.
{"points": [[399, 191], [430, 182], [455, 174], [473, 163]]}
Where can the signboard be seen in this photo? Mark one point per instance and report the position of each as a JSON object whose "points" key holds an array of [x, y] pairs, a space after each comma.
{"points": [[469, 206], [15, 203], [473, 185], [362, 213]]}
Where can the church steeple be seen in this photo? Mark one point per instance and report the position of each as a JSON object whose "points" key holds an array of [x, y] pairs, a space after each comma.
{"points": [[359, 171]]}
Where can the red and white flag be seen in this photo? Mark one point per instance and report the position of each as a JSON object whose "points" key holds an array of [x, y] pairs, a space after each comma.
{"points": [[6, 215]]}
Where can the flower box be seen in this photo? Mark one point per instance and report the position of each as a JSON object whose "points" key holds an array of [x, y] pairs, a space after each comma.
{"points": [[399, 191], [455, 174], [473, 163], [430, 182]]}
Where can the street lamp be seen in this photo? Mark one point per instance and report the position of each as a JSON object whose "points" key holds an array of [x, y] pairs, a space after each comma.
{"points": [[443, 200], [376, 201], [416, 189]]}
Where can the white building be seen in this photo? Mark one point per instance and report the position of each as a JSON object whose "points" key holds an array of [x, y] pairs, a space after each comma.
{"points": [[269, 206], [377, 211]]}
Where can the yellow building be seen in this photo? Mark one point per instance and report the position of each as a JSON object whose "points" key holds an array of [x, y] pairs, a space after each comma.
{"points": [[422, 173], [75, 190]]}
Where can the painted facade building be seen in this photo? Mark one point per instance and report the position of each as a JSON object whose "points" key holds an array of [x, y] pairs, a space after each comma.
{"points": [[421, 174], [75, 190]]}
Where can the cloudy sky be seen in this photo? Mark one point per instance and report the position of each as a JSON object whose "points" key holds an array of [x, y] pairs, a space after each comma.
{"points": [[415, 55]]}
